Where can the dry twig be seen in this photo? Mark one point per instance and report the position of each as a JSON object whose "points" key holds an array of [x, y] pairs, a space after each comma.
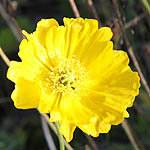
{"points": [[141, 111], [130, 49], [67, 145], [74, 8], [92, 142], [134, 21], [93, 10], [4, 57], [11, 23], [131, 135], [125, 124], [47, 134]]}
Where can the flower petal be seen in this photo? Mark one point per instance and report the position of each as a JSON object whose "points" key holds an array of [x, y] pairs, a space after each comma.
{"points": [[26, 94], [55, 41], [78, 33], [64, 40], [76, 113], [95, 127], [27, 54], [37, 52], [42, 28], [21, 69], [101, 50], [94, 44], [114, 91], [90, 128], [118, 73], [67, 129], [48, 102], [104, 34]]}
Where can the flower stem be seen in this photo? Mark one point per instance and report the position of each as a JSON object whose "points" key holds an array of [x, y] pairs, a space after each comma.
{"points": [[61, 140], [146, 5]]}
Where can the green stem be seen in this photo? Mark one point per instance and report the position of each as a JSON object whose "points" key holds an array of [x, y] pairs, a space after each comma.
{"points": [[146, 5], [60, 137]]}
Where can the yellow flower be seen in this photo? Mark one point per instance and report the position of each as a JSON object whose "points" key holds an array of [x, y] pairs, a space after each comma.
{"points": [[73, 73]]}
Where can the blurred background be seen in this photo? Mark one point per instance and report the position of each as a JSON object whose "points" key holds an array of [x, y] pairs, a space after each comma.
{"points": [[22, 129]]}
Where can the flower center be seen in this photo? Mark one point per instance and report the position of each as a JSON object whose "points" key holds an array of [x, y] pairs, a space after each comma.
{"points": [[67, 76]]}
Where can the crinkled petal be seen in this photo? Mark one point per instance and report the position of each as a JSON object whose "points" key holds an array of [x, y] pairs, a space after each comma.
{"points": [[75, 37], [55, 41], [95, 127], [76, 113], [114, 90], [26, 94], [67, 129], [93, 44], [78, 34], [118, 74], [103, 51], [21, 69], [73, 28], [37, 52], [48, 102], [42, 28], [103, 34], [91, 128], [100, 106], [70, 113], [27, 54]]}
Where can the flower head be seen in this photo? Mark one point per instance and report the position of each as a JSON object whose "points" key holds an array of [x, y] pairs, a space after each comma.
{"points": [[73, 73]]}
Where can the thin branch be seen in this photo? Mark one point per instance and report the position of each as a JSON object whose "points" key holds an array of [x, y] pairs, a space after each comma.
{"points": [[87, 147], [141, 111], [74, 8], [49, 123], [11, 23], [67, 145], [93, 10], [134, 21], [131, 135], [130, 49], [47, 134], [92, 142], [4, 57]]}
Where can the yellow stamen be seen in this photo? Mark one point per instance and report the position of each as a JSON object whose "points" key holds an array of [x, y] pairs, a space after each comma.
{"points": [[66, 77]]}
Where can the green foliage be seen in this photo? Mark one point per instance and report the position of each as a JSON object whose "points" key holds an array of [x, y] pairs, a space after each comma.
{"points": [[6, 44], [11, 140], [25, 24]]}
